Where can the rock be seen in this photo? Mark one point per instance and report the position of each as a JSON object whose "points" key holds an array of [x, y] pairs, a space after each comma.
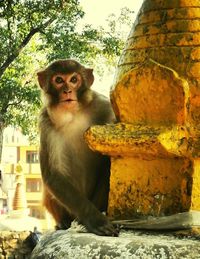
{"points": [[12, 245], [130, 244]]}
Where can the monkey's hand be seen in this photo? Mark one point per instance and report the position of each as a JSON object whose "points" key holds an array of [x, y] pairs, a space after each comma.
{"points": [[99, 224]]}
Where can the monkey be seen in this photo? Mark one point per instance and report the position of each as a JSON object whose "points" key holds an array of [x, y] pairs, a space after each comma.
{"points": [[75, 178]]}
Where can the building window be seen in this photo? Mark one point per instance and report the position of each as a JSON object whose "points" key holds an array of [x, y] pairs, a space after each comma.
{"points": [[33, 185], [36, 212], [32, 157]]}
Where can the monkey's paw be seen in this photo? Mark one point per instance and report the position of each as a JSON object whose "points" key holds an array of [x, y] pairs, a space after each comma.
{"points": [[100, 225]]}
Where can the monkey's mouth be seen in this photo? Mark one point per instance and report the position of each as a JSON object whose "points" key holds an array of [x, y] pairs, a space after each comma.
{"points": [[68, 101]]}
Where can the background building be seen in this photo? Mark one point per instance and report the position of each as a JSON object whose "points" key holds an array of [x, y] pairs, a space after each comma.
{"points": [[17, 151]]}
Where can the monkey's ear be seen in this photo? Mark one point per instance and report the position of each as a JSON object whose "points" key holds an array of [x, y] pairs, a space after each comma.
{"points": [[89, 76], [42, 79]]}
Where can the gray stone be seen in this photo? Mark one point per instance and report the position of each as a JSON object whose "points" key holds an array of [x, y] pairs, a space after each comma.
{"points": [[129, 244]]}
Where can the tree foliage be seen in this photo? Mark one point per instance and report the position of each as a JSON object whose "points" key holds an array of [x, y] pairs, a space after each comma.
{"points": [[32, 34]]}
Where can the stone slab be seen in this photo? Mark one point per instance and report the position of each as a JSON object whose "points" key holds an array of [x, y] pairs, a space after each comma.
{"points": [[129, 244]]}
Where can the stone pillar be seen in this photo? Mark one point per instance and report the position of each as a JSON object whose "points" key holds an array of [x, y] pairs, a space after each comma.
{"points": [[155, 146], [19, 201]]}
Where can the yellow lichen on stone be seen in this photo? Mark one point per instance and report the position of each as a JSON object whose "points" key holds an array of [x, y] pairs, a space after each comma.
{"points": [[156, 187], [168, 4], [195, 70], [169, 14], [155, 147], [195, 202], [172, 26], [175, 141], [126, 139], [162, 39], [150, 95], [181, 141], [195, 53]]}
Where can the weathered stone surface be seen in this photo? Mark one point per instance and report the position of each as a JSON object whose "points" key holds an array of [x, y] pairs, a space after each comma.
{"points": [[155, 168], [144, 141], [12, 245], [154, 176], [151, 94], [148, 187], [63, 244], [127, 139]]}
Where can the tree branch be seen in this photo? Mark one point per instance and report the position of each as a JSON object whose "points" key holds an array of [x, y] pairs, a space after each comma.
{"points": [[15, 103], [25, 41]]}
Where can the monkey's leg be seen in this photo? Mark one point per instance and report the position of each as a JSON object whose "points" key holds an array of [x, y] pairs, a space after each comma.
{"points": [[62, 218], [100, 195], [79, 206]]}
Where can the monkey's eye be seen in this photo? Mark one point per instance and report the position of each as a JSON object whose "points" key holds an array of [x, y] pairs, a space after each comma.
{"points": [[73, 79], [59, 80]]}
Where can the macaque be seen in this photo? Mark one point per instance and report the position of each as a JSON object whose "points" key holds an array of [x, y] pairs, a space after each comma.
{"points": [[76, 179]]}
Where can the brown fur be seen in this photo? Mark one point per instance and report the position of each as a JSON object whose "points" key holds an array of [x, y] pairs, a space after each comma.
{"points": [[76, 180]]}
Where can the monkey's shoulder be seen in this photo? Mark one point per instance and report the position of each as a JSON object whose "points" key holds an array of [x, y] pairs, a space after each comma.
{"points": [[44, 118], [100, 98], [101, 109]]}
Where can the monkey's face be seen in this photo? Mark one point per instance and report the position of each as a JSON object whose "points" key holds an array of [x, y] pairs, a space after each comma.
{"points": [[66, 86], [65, 83]]}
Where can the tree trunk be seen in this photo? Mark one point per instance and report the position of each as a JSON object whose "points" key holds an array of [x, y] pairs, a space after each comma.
{"points": [[1, 142]]}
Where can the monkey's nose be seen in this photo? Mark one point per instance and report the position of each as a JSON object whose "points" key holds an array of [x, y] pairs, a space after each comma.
{"points": [[66, 90]]}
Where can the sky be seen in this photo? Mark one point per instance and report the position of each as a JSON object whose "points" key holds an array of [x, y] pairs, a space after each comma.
{"points": [[96, 13]]}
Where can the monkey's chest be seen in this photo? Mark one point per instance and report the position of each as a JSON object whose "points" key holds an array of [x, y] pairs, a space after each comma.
{"points": [[73, 156]]}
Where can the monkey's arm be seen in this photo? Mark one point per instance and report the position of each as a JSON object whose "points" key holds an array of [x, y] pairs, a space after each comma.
{"points": [[70, 198], [60, 186], [102, 112]]}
